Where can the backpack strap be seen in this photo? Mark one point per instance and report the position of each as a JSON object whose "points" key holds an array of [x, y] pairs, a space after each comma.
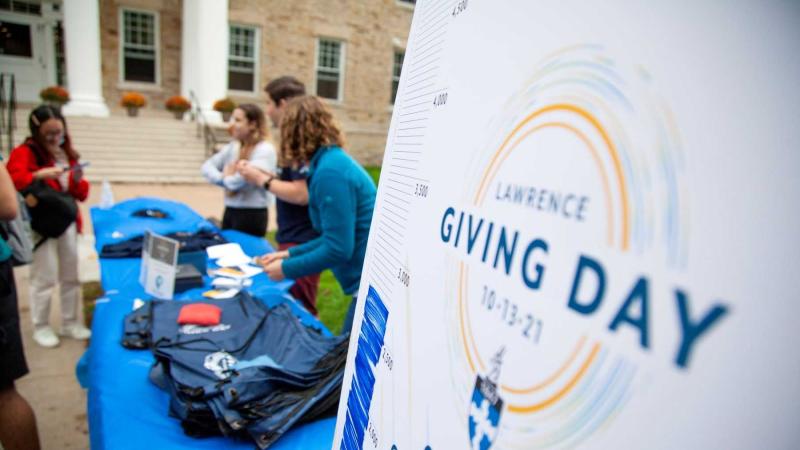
{"points": [[38, 244]]}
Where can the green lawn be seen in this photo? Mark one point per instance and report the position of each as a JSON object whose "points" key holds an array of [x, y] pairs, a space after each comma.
{"points": [[332, 303], [374, 172]]}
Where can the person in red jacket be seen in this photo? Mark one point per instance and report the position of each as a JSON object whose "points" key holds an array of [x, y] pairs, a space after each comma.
{"points": [[48, 155]]}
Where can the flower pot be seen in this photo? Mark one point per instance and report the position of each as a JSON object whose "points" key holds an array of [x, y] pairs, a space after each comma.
{"points": [[133, 111], [178, 114], [55, 104], [226, 116]]}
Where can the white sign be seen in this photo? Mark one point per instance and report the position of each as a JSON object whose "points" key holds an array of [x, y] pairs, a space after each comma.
{"points": [[159, 264], [585, 233]]}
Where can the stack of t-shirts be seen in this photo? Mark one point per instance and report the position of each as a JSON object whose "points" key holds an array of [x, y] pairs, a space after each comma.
{"points": [[256, 372], [189, 242]]}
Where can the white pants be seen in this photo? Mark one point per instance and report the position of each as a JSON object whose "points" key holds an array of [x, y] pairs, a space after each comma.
{"points": [[56, 257]]}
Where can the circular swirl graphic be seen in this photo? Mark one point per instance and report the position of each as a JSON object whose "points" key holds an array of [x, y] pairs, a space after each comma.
{"points": [[586, 158]]}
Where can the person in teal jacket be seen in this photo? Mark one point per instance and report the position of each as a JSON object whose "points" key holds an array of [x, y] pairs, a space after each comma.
{"points": [[341, 197]]}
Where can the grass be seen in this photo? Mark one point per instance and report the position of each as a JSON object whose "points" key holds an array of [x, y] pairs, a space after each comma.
{"points": [[374, 172], [332, 303]]}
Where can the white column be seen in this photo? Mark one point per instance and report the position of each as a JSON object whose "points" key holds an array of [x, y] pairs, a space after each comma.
{"points": [[82, 48], [204, 57]]}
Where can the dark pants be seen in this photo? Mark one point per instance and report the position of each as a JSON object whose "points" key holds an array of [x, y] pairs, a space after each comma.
{"points": [[304, 288], [351, 313], [12, 358], [252, 221]]}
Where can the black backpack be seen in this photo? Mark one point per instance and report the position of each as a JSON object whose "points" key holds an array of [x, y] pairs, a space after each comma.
{"points": [[52, 211]]}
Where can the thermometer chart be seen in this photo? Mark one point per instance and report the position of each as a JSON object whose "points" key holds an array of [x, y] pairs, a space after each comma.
{"points": [[562, 252]]}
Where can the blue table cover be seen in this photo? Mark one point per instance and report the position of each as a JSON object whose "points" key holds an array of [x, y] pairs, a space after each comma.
{"points": [[126, 410]]}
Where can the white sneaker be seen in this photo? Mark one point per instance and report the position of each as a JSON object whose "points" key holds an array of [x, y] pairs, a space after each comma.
{"points": [[76, 331], [46, 337]]}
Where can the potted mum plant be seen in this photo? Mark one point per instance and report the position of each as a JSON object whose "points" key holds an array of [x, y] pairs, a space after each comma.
{"points": [[132, 101], [226, 107], [54, 95], [178, 105]]}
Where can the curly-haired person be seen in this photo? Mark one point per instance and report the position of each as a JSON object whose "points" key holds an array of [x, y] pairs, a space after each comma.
{"points": [[341, 197]]}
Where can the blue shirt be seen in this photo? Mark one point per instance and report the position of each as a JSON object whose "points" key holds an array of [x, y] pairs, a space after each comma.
{"points": [[294, 225], [341, 197]]}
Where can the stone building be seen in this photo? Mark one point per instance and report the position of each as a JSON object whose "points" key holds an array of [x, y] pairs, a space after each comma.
{"points": [[347, 51]]}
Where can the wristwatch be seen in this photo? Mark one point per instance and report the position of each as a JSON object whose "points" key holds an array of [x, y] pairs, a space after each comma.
{"points": [[266, 183]]}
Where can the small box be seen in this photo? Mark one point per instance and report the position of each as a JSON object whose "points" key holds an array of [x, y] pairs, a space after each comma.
{"points": [[198, 259], [187, 277]]}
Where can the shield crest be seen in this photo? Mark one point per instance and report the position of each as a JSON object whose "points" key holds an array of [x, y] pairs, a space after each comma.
{"points": [[484, 414], [220, 363]]}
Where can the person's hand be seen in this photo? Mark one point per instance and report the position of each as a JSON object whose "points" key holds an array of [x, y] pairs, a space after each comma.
{"points": [[267, 259], [274, 270], [229, 170], [48, 173], [253, 174], [77, 174]]}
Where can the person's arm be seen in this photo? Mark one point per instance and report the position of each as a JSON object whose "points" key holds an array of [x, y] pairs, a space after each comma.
{"points": [[8, 195], [295, 191], [212, 168], [337, 207]]}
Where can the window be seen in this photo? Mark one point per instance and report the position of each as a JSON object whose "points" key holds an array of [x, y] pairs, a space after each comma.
{"points": [[396, 68], [329, 69], [139, 49], [21, 7], [242, 58], [15, 39]]}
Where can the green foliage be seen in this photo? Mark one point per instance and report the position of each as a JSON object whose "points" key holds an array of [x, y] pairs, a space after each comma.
{"points": [[374, 172], [332, 303]]}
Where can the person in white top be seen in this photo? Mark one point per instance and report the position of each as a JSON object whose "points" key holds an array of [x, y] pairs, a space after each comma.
{"points": [[245, 203]]}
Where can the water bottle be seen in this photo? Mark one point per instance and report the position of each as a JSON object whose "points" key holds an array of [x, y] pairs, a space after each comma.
{"points": [[106, 196]]}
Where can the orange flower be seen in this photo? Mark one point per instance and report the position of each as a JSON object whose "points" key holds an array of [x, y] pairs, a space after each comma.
{"points": [[133, 99], [54, 94], [178, 104], [224, 105]]}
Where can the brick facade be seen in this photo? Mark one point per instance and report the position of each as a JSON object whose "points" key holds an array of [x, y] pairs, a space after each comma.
{"points": [[169, 17], [371, 30]]}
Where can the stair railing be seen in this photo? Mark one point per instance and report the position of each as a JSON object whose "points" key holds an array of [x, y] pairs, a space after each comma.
{"points": [[8, 112], [209, 138]]}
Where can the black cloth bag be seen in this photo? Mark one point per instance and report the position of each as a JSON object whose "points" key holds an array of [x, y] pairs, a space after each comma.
{"points": [[51, 211]]}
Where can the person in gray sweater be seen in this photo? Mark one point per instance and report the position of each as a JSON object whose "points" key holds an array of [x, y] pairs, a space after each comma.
{"points": [[245, 203]]}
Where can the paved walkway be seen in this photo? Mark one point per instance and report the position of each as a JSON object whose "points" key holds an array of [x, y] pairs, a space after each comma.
{"points": [[51, 386]]}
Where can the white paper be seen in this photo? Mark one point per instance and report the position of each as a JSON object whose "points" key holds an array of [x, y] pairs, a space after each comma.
{"points": [[251, 271], [224, 250], [233, 260], [220, 294], [225, 282], [237, 273]]}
